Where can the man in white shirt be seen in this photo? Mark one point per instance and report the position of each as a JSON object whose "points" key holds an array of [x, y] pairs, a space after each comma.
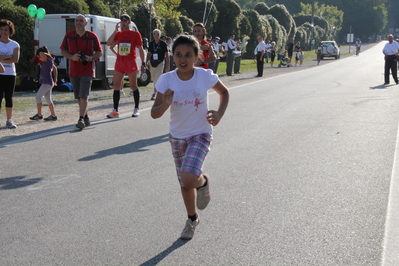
{"points": [[260, 54], [231, 46], [390, 51]]}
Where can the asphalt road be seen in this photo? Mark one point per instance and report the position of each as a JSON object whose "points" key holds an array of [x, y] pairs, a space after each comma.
{"points": [[304, 171]]}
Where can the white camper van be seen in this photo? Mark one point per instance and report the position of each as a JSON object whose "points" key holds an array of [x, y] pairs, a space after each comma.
{"points": [[50, 31]]}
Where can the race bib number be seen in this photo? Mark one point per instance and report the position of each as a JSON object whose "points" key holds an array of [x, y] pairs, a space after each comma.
{"points": [[155, 56], [124, 48]]}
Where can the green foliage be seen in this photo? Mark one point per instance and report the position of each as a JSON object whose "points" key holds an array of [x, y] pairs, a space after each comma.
{"points": [[187, 23], [227, 22], [285, 19], [279, 34], [140, 14], [23, 33], [194, 9], [173, 27], [168, 9], [97, 7], [262, 9], [59, 6]]}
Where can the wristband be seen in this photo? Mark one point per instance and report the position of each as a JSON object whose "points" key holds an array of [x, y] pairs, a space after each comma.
{"points": [[203, 61]]}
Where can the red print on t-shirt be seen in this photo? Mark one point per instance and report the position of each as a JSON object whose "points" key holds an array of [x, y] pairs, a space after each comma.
{"points": [[197, 103]]}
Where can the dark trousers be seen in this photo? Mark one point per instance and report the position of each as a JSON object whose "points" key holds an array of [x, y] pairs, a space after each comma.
{"points": [[391, 65], [259, 64], [229, 62], [237, 64]]}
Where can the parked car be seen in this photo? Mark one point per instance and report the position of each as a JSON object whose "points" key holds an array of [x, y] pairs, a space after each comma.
{"points": [[330, 49]]}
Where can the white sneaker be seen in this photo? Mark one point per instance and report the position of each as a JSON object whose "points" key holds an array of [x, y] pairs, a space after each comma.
{"points": [[131, 92], [136, 112], [189, 228], [10, 124], [122, 92]]}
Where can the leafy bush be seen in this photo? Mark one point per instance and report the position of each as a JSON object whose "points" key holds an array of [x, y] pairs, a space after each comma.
{"points": [[23, 33], [58, 6], [262, 9], [284, 18], [186, 23]]}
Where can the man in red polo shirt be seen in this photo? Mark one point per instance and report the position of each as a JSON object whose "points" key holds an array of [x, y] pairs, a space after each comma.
{"points": [[81, 47], [208, 55]]}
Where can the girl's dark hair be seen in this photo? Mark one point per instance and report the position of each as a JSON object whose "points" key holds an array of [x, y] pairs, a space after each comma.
{"points": [[43, 49], [189, 40], [5, 22]]}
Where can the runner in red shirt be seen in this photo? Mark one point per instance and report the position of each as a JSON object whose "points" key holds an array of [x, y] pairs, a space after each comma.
{"points": [[208, 55], [127, 40]]}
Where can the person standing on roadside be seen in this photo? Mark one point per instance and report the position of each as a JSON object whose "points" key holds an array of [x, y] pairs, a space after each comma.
{"points": [[215, 46], [318, 52], [127, 40], [208, 54], [9, 55], [290, 48], [260, 54], [231, 46], [297, 52], [156, 56], [48, 78], [390, 51], [272, 53], [82, 48]]}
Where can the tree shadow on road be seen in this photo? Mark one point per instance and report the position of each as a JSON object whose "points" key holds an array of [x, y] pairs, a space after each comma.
{"points": [[17, 182], [137, 146], [158, 258]]}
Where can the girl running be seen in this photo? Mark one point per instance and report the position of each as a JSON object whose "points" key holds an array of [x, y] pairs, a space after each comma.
{"points": [[185, 91]]}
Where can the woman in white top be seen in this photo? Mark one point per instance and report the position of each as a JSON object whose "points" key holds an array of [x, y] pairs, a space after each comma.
{"points": [[9, 55]]}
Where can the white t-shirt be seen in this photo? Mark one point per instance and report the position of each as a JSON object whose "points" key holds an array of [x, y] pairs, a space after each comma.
{"points": [[260, 47], [391, 48], [8, 49], [189, 108]]}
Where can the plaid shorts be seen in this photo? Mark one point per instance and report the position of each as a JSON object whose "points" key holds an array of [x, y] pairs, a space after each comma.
{"points": [[190, 153]]}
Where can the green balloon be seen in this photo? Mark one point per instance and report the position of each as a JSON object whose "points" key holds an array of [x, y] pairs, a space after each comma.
{"points": [[41, 13], [32, 10]]}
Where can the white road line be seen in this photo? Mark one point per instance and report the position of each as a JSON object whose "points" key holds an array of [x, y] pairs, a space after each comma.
{"points": [[390, 251]]}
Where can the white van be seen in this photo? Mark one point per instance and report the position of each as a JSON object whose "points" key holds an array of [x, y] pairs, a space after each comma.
{"points": [[50, 32]]}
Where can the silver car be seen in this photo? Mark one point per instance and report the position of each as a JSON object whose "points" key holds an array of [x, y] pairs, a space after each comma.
{"points": [[330, 49]]}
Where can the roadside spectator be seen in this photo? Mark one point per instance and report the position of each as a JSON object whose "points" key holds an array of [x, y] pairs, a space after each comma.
{"points": [[272, 53], [297, 52], [237, 56], [127, 40], [260, 53], [169, 42], [216, 48], [185, 93], [290, 47], [9, 55], [390, 51], [156, 56], [81, 47], [301, 58], [208, 55], [318, 52], [231, 46], [268, 53], [48, 78]]}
